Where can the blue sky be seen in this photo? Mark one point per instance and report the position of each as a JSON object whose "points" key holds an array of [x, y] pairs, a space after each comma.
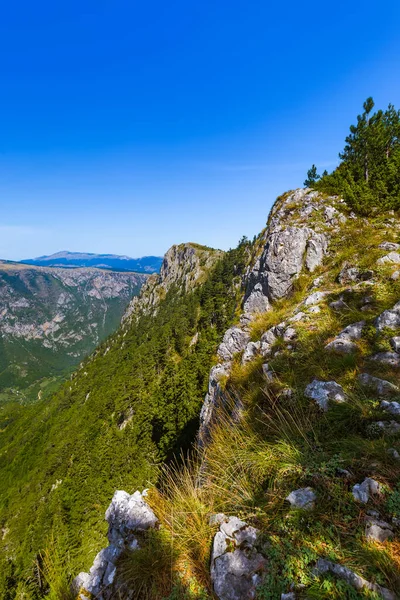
{"points": [[126, 127]]}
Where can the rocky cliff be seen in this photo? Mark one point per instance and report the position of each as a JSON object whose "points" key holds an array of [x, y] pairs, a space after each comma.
{"points": [[299, 430], [50, 318], [185, 266]]}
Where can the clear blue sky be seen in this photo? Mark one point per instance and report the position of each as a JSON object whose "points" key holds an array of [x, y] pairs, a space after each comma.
{"points": [[128, 126]]}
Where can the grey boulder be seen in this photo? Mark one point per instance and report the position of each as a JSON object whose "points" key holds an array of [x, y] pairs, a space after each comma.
{"points": [[359, 583], [235, 340], [391, 407], [362, 492], [302, 498], [236, 565], [392, 359], [324, 391], [380, 386], [378, 531]]}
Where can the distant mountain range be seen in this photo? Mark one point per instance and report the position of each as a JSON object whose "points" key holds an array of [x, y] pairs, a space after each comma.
{"points": [[146, 264]]}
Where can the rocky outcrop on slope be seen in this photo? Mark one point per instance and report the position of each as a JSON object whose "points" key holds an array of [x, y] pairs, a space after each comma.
{"points": [[185, 265], [127, 518], [296, 238]]}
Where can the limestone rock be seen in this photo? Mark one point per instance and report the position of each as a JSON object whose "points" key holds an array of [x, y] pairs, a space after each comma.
{"points": [[352, 331], [363, 491], [391, 258], [213, 400], [341, 346], [389, 428], [288, 248], [315, 251], [378, 531], [289, 334], [359, 583], [236, 565], [257, 301], [323, 391], [393, 453], [389, 246], [395, 343], [391, 407], [126, 515], [387, 358], [389, 319], [235, 340], [251, 351], [314, 298], [380, 386], [302, 498], [268, 373], [351, 274], [339, 304]]}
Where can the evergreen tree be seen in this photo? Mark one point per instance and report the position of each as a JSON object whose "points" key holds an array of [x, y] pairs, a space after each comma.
{"points": [[312, 177], [369, 174]]}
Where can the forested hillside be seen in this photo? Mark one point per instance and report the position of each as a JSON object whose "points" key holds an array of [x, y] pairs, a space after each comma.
{"points": [[127, 409]]}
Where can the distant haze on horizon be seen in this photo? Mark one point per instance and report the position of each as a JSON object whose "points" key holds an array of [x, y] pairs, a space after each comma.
{"points": [[128, 127]]}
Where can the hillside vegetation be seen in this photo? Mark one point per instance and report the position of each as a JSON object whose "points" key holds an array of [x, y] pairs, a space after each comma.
{"points": [[128, 407], [257, 394]]}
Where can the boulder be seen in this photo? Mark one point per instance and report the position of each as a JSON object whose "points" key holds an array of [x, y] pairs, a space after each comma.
{"points": [[388, 427], [391, 258], [341, 346], [302, 498], [251, 351], [388, 319], [391, 359], [324, 391], [389, 246], [363, 491], [391, 407], [379, 386], [236, 564], [127, 515], [395, 343], [351, 578], [235, 340], [378, 531]]}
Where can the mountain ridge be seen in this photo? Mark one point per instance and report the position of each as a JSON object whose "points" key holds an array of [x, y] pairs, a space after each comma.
{"points": [[65, 258]]}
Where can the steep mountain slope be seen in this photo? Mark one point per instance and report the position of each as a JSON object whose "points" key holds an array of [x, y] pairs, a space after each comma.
{"points": [[145, 264], [299, 433], [286, 349], [127, 408], [51, 318]]}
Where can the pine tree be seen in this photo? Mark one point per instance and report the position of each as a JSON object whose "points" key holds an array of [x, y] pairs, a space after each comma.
{"points": [[312, 177]]}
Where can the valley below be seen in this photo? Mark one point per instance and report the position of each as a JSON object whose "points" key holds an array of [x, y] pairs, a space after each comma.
{"points": [[51, 318]]}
